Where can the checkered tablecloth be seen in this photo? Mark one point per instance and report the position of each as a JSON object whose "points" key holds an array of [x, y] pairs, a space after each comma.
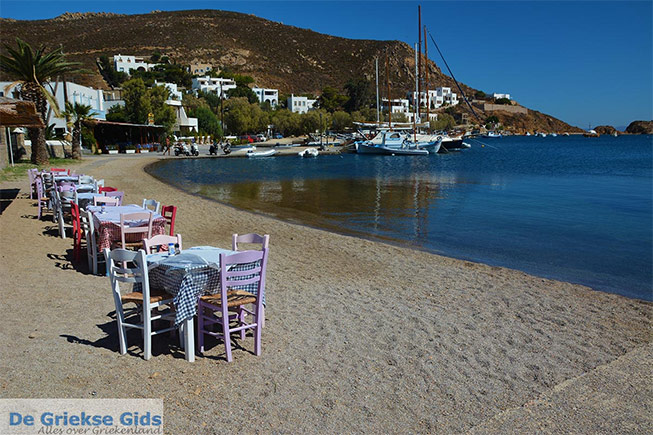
{"points": [[107, 224], [188, 275]]}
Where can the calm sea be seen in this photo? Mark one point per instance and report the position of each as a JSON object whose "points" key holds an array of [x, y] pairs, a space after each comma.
{"points": [[569, 208]]}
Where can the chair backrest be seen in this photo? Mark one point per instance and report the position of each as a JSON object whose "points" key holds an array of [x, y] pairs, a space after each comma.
{"points": [[66, 186], [251, 238], [86, 179], [77, 225], [245, 269], [67, 197], [169, 212], [116, 194], [59, 170], [128, 267], [106, 189], [39, 187], [156, 205], [157, 243], [106, 200], [127, 228]]}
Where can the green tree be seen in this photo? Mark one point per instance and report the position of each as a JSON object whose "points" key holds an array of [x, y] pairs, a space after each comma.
{"points": [[163, 113], [444, 122], [137, 104], [341, 121], [360, 94], [111, 76], [32, 69], [78, 113], [241, 116], [243, 91], [207, 121], [479, 95], [502, 101], [117, 114], [331, 100], [286, 122]]}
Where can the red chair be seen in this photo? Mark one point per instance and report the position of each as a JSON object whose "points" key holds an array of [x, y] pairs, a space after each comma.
{"points": [[78, 232], [58, 170], [169, 212], [107, 189]]}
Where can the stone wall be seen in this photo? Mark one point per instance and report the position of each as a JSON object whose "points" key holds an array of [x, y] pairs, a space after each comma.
{"points": [[504, 107]]}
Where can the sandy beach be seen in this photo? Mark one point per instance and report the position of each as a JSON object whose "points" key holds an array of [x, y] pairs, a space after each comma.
{"points": [[360, 336]]}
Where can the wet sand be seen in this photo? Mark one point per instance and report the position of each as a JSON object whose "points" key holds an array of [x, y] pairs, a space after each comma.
{"points": [[360, 336]]}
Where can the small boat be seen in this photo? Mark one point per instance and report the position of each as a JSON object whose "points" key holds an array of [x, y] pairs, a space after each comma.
{"points": [[492, 134], [615, 134], [254, 153], [565, 134], [553, 135], [308, 152], [591, 133], [528, 133], [370, 148]]}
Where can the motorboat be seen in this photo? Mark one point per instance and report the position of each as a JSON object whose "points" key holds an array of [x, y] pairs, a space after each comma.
{"points": [[591, 133], [553, 135], [448, 143], [491, 134], [528, 133], [308, 152], [253, 153], [370, 148], [392, 143]]}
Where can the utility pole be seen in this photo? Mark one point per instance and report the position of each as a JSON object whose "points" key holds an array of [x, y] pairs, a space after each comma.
{"points": [[378, 120], [387, 79], [426, 76], [419, 61]]}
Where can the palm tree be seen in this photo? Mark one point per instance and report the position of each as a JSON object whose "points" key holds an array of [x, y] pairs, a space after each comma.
{"points": [[78, 113], [32, 70]]}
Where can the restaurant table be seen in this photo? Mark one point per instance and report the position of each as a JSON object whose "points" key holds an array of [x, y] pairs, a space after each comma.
{"points": [[187, 276], [107, 223]]}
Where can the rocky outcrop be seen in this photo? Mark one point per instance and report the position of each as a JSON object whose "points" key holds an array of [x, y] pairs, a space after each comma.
{"points": [[605, 130], [640, 127]]}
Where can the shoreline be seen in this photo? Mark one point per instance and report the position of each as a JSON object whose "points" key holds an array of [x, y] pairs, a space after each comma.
{"points": [[360, 335]]}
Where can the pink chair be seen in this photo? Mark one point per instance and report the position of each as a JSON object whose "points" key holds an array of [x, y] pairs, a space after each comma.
{"points": [[160, 243], [236, 271], [106, 200], [251, 238], [144, 232], [116, 194], [40, 195]]}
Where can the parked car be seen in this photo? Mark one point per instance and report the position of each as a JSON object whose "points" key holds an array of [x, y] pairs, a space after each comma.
{"points": [[260, 138], [247, 138], [278, 136]]}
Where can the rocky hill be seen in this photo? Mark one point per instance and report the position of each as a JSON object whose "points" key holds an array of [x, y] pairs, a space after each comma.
{"points": [[288, 58], [640, 127]]}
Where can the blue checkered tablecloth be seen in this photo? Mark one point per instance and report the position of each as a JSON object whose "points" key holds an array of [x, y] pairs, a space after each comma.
{"points": [[190, 274]]}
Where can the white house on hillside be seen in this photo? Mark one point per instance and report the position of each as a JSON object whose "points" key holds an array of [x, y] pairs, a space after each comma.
{"points": [[175, 94], [267, 95], [497, 96], [74, 93], [398, 105], [299, 104], [213, 84], [183, 123], [126, 63], [437, 97]]}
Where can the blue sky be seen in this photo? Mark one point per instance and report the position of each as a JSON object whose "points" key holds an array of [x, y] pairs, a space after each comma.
{"points": [[584, 62]]}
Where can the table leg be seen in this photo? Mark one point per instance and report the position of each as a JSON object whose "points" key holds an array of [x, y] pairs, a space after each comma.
{"points": [[189, 339]]}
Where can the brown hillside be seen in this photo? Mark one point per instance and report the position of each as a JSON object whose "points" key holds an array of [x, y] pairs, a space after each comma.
{"points": [[278, 56]]}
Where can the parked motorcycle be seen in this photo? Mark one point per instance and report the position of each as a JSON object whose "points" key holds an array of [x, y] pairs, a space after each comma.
{"points": [[214, 148], [194, 150], [181, 148]]}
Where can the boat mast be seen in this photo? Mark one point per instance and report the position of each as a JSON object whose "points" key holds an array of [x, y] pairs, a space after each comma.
{"points": [[426, 76], [415, 100], [419, 61], [387, 80], [378, 120]]}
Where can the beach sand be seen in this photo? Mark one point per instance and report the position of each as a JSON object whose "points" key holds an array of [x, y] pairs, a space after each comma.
{"points": [[360, 336]]}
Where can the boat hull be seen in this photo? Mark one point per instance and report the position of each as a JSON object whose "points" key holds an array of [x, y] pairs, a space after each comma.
{"points": [[383, 150]]}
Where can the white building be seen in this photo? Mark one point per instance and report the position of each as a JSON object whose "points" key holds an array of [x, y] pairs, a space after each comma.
{"points": [[497, 96], [183, 123], [125, 63], [267, 95], [399, 105], [299, 104], [175, 94], [213, 84], [437, 97], [74, 94]]}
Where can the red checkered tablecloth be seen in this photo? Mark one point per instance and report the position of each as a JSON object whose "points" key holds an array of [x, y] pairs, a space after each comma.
{"points": [[108, 230]]}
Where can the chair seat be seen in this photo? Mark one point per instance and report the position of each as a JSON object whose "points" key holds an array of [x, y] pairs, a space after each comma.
{"points": [[235, 298], [137, 297]]}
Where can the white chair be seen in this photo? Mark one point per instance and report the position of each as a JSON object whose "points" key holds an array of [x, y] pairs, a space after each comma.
{"points": [[109, 201], [145, 231], [147, 301], [147, 203], [156, 243], [86, 179], [94, 257]]}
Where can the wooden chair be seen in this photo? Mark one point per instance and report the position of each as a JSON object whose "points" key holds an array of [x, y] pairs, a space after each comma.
{"points": [[94, 257], [169, 212], [147, 203], [160, 243], [237, 270], [116, 194], [144, 232], [106, 200], [252, 239], [131, 268]]}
